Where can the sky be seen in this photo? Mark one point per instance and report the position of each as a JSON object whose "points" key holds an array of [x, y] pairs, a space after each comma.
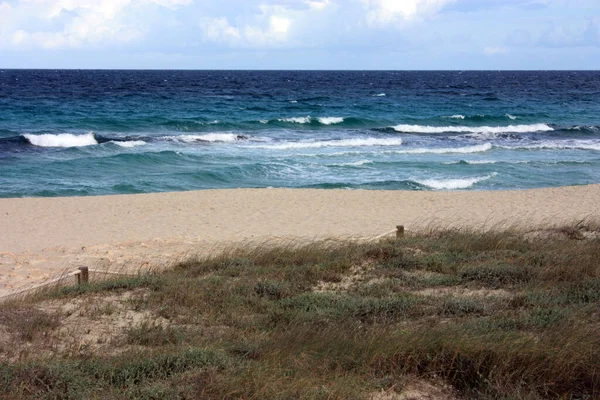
{"points": [[301, 34]]}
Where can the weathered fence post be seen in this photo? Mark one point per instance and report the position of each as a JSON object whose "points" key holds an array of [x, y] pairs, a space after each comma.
{"points": [[399, 231], [84, 275]]}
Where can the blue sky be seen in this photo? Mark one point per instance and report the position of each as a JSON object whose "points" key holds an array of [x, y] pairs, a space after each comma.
{"points": [[300, 34]]}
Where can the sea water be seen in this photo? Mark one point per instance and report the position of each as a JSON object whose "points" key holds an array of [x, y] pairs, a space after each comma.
{"points": [[69, 132]]}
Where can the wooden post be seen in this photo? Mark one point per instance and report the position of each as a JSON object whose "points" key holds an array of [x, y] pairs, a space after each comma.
{"points": [[399, 231], [84, 275]]}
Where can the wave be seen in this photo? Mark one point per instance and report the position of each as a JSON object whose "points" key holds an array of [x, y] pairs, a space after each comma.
{"points": [[453, 183], [482, 118], [379, 95], [207, 138], [129, 143], [61, 139], [584, 129], [471, 162], [559, 145], [297, 120], [479, 148], [334, 143], [359, 163], [309, 120], [331, 120], [473, 129]]}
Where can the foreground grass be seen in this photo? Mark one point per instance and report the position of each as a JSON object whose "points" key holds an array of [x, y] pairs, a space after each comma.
{"points": [[490, 315]]}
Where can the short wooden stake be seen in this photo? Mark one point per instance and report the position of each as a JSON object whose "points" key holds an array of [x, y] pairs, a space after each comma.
{"points": [[399, 231], [84, 275]]}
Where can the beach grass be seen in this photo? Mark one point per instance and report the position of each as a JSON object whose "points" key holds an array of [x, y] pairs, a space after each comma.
{"points": [[454, 313]]}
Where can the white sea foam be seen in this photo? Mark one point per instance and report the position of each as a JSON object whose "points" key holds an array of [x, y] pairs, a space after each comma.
{"points": [[449, 150], [453, 183], [457, 116], [335, 143], [209, 137], [297, 120], [424, 150], [331, 120], [293, 101], [264, 121], [379, 95], [61, 140], [479, 162], [560, 145], [473, 129], [129, 143], [511, 116], [353, 164]]}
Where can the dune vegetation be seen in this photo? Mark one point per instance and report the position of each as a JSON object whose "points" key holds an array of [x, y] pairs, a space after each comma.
{"points": [[446, 314]]}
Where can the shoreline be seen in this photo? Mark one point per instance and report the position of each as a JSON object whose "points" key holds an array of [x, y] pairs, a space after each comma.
{"points": [[39, 237]]}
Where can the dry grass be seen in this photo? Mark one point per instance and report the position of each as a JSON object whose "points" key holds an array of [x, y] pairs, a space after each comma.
{"points": [[448, 314]]}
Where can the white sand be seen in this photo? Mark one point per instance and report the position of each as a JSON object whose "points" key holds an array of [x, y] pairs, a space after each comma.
{"points": [[41, 236]]}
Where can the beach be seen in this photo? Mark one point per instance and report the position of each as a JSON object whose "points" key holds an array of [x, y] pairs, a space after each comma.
{"points": [[41, 238]]}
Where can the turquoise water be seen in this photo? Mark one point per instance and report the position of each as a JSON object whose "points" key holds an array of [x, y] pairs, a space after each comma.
{"points": [[68, 133]]}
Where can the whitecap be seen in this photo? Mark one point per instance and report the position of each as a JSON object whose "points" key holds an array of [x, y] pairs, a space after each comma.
{"points": [[379, 95], [456, 116], [335, 143], [479, 148], [61, 140], [297, 120], [481, 162], [453, 183], [129, 143], [331, 120], [511, 116], [560, 145], [359, 163], [473, 129], [209, 137]]}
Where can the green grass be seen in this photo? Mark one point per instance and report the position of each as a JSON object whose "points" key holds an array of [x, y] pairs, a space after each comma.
{"points": [[495, 315]]}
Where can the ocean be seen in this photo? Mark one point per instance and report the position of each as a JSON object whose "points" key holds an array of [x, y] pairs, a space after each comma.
{"points": [[99, 132]]}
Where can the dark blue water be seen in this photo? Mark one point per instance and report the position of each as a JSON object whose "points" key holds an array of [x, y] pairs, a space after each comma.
{"points": [[107, 132]]}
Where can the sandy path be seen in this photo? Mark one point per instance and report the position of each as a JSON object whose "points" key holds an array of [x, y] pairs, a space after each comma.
{"points": [[41, 236]]}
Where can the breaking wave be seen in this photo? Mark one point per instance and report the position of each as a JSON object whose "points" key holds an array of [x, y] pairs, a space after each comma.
{"points": [[207, 138], [334, 143], [453, 183], [61, 140], [449, 150], [473, 129]]}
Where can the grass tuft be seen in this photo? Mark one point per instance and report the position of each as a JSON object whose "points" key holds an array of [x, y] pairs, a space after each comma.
{"points": [[499, 314]]}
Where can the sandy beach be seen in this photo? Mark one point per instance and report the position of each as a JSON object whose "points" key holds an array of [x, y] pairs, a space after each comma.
{"points": [[43, 237]]}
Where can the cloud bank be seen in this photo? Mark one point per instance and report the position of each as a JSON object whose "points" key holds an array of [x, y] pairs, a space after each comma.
{"points": [[435, 34]]}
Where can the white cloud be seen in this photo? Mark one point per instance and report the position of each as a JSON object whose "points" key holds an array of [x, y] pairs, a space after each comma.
{"points": [[55, 24], [269, 26], [5, 15], [384, 12], [317, 5], [274, 31], [495, 50], [172, 4], [574, 34]]}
